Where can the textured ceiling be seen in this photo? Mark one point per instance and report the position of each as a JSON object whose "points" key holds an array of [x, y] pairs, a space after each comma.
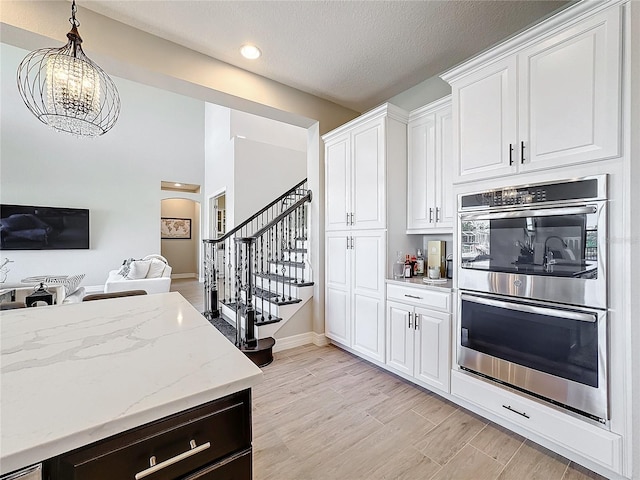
{"points": [[354, 53]]}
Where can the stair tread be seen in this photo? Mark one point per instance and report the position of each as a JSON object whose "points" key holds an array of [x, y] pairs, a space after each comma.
{"points": [[274, 298], [296, 250], [288, 262], [284, 279], [260, 318]]}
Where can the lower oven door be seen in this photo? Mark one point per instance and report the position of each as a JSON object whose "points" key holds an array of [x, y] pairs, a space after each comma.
{"points": [[548, 350]]}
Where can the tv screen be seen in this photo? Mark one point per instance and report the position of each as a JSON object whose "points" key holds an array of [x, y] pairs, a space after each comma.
{"points": [[43, 228]]}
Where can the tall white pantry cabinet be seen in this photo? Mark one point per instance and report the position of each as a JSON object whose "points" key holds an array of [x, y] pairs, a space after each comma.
{"points": [[365, 160]]}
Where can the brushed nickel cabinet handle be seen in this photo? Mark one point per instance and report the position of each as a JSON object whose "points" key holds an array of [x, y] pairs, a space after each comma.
{"points": [[430, 215], [410, 323], [412, 296], [437, 214], [521, 152], [416, 323], [178, 458]]}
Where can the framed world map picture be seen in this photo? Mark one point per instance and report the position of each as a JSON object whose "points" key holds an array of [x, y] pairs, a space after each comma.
{"points": [[175, 228]]}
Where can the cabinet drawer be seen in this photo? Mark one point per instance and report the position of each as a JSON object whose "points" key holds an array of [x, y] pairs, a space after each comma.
{"points": [[420, 296], [224, 424], [576, 435], [237, 467]]}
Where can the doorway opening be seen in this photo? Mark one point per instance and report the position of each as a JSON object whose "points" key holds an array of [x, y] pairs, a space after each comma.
{"points": [[183, 253]]}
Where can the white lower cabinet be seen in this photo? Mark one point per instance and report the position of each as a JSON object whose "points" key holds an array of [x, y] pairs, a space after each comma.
{"points": [[592, 442], [418, 338], [354, 299]]}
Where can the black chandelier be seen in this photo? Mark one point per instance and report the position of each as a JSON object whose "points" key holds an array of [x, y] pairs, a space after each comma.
{"points": [[64, 89]]}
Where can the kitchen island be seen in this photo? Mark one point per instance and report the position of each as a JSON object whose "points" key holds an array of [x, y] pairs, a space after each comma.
{"points": [[76, 374]]}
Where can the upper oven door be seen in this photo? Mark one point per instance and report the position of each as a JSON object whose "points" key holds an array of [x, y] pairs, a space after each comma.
{"points": [[555, 254]]}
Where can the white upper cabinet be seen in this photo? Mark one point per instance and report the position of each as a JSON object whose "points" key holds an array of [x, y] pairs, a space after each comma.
{"points": [[430, 199], [356, 156], [338, 178], [367, 182], [553, 101], [484, 111], [569, 95]]}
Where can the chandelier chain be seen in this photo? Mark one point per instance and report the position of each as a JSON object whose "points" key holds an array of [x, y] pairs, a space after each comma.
{"points": [[73, 20]]}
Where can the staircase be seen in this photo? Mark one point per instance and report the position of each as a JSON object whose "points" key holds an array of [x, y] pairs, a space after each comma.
{"points": [[257, 275]]}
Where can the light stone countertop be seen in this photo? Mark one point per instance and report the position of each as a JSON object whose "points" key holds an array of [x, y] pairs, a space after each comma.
{"points": [[74, 374], [419, 282]]}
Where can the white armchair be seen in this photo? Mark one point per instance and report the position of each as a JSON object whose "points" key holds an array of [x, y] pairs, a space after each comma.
{"points": [[152, 274]]}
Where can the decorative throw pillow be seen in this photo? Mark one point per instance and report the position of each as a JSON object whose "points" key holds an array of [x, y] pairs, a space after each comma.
{"points": [[126, 265], [138, 269], [71, 284], [43, 279], [155, 255], [156, 268]]}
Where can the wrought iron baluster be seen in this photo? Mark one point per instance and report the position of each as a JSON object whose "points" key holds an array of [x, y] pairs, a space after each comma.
{"points": [[238, 309], [269, 258], [293, 268]]}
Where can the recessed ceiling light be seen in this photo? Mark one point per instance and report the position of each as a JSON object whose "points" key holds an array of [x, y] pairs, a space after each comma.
{"points": [[250, 51]]}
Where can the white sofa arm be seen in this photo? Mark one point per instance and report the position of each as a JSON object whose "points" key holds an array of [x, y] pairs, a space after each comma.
{"points": [[118, 283]]}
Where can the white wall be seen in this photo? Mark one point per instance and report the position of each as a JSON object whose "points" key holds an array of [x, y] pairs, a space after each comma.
{"points": [[270, 159], [265, 130], [218, 152], [159, 136], [262, 173]]}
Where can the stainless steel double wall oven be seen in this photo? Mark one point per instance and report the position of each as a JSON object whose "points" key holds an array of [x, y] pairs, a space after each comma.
{"points": [[532, 281]]}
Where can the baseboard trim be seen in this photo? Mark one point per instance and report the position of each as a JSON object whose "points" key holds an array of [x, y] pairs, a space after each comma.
{"points": [[306, 338], [320, 340], [184, 275]]}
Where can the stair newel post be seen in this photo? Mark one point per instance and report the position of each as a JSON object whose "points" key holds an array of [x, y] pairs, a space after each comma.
{"points": [[250, 340], [213, 280], [238, 303], [207, 307], [269, 257]]}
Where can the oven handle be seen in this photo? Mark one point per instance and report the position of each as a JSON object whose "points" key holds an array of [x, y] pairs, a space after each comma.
{"points": [[552, 312], [531, 213]]}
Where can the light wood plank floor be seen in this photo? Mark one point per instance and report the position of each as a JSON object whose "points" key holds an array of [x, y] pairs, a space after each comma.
{"points": [[322, 413]]}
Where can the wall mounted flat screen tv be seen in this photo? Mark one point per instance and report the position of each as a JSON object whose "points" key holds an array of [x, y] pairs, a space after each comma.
{"points": [[25, 227]]}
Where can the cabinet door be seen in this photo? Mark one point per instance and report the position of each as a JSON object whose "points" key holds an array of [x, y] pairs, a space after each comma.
{"points": [[400, 337], [444, 197], [569, 93], [433, 348], [368, 267], [338, 181], [421, 173], [368, 178], [484, 115], [338, 289]]}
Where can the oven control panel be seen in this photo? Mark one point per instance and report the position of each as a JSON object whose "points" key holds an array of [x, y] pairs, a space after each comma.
{"points": [[531, 195]]}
